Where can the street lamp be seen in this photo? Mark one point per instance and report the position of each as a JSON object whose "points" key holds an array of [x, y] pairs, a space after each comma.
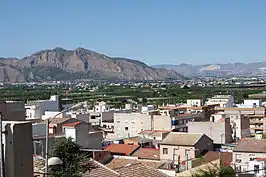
{"points": [[48, 121]]}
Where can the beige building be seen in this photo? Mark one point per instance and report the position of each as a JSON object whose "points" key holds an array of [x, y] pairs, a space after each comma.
{"points": [[12, 111], [184, 146], [248, 150], [256, 118]]}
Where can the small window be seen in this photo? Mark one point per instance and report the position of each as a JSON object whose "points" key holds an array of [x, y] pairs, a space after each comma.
{"points": [[256, 168], [165, 150], [126, 128], [126, 121]]}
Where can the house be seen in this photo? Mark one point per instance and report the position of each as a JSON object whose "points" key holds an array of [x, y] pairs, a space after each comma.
{"points": [[154, 134], [257, 167], [122, 149], [248, 150], [222, 100], [56, 125], [177, 146]]}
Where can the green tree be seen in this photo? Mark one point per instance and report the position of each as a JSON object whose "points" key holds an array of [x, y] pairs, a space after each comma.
{"points": [[225, 171], [74, 161]]}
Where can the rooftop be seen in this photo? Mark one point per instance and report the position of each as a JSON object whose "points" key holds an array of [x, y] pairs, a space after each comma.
{"points": [[123, 149], [121, 162], [185, 139], [247, 145], [147, 153], [74, 124], [226, 158]]}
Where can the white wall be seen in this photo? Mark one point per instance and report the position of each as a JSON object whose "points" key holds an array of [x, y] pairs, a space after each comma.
{"points": [[250, 103], [194, 102], [70, 132]]}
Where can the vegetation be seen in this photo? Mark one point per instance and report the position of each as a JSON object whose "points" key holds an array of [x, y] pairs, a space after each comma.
{"points": [[74, 161], [225, 171]]}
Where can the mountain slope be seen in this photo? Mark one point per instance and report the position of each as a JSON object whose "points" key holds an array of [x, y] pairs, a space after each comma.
{"points": [[61, 64]]}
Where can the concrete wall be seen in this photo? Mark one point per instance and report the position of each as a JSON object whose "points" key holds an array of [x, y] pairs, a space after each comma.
{"points": [[12, 111], [219, 132], [95, 140], [162, 122], [82, 135], [18, 149], [253, 103]]}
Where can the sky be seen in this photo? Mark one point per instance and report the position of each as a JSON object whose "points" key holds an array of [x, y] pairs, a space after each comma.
{"points": [[152, 31]]}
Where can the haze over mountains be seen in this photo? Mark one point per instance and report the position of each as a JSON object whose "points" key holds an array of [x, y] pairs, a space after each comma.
{"points": [[61, 64], [230, 69]]}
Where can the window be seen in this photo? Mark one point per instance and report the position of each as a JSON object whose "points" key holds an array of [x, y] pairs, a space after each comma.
{"points": [[165, 150], [256, 168], [238, 158], [252, 157], [93, 117], [126, 128], [126, 121], [118, 121], [180, 122]]}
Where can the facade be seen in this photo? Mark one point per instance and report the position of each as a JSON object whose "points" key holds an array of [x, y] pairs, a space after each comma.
{"points": [[222, 100], [101, 107], [12, 111], [220, 132], [184, 146], [256, 118], [246, 151], [253, 103], [79, 132], [56, 125], [38, 108], [194, 102], [179, 122], [130, 124], [18, 148]]}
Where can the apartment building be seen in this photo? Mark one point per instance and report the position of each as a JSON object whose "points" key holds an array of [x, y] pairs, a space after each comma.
{"points": [[130, 124], [256, 117], [194, 102], [222, 100]]}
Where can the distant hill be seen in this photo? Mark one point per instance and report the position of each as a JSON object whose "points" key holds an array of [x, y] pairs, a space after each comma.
{"points": [[232, 69], [61, 64]]}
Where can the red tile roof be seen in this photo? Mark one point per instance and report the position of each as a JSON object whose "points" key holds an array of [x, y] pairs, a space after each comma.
{"points": [[226, 158], [147, 153], [72, 124], [123, 149]]}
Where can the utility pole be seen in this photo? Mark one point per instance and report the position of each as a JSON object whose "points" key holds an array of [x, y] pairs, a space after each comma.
{"points": [[1, 149]]}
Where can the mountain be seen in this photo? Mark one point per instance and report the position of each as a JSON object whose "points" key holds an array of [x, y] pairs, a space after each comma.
{"points": [[216, 70], [62, 64]]}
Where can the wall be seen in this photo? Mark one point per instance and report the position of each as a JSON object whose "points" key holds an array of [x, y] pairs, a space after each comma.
{"points": [[82, 134], [162, 122], [220, 132], [250, 103], [134, 122], [194, 102], [38, 130], [70, 132], [95, 140], [18, 149], [245, 158], [33, 112], [12, 111]]}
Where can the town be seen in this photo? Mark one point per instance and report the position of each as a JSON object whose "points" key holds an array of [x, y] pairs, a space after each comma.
{"points": [[181, 139]]}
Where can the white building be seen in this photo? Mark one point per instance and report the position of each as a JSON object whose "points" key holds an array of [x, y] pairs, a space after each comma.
{"points": [[130, 124], [79, 132], [222, 100], [194, 102], [257, 167], [251, 104], [101, 107], [35, 109]]}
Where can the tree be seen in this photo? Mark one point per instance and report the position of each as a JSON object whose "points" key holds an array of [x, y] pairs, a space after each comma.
{"points": [[225, 171], [74, 161]]}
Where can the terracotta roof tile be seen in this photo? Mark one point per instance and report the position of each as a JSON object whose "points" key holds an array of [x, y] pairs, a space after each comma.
{"points": [[226, 158], [73, 124], [147, 153], [122, 149], [178, 138], [121, 162], [139, 170], [247, 145]]}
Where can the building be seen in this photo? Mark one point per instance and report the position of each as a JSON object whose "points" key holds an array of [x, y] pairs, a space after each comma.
{"points": [[184, 147], [130, 124], [179, 122], [194, 102], [17, 148], [222, 100], [251, 104], [154, 134], [220, 132], [12, 111], [248, 150], [101, 107], [56, 125], [256, 118], [35, 109]]}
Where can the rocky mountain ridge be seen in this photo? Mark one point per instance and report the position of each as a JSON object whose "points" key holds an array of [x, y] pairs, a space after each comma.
{"points": [[62, 64]]}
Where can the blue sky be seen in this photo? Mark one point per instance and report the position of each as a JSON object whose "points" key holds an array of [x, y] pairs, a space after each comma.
{"points": [[153, 31]]}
